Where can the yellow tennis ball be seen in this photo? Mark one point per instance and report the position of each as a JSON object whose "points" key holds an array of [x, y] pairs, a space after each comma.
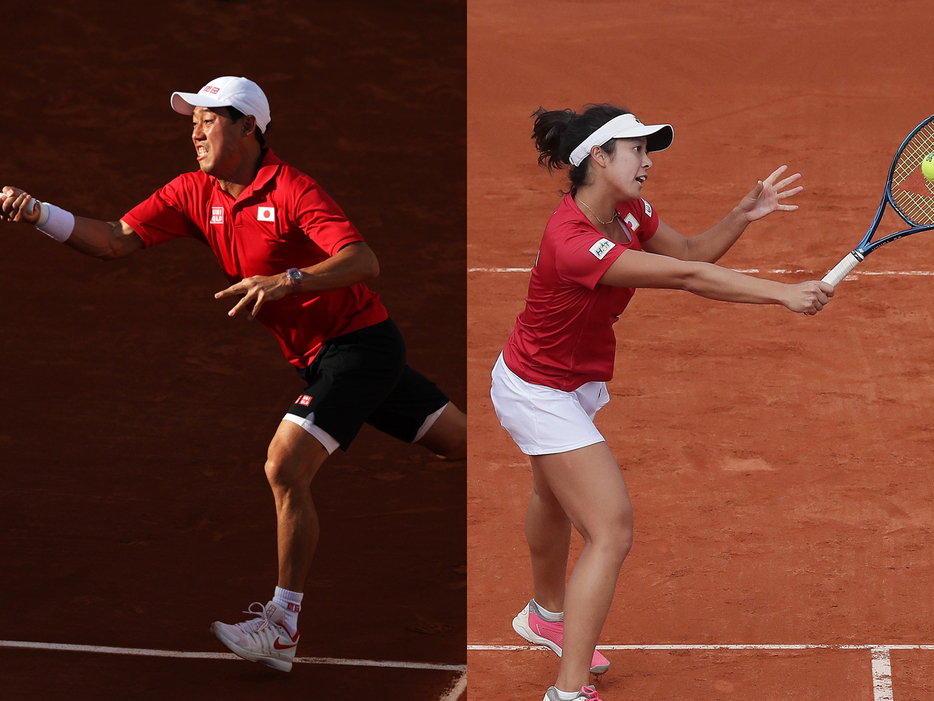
{"points": [[927, 166]]}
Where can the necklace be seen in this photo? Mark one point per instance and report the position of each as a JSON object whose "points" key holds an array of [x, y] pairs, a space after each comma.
{"points": [[615, 213]]}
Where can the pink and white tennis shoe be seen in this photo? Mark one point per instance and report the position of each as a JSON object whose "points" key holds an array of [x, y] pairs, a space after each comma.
{"points": [[531, 626], [587, 693], [265, 639]]}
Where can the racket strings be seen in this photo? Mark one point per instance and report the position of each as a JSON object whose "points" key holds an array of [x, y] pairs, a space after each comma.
{"points": [[912, 193]]}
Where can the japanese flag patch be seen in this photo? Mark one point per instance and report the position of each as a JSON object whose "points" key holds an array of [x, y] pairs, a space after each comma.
{"points": [[266, 214], [601, 248]]}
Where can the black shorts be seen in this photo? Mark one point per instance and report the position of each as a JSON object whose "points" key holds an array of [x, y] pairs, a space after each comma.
{"points": [[362, 377]]}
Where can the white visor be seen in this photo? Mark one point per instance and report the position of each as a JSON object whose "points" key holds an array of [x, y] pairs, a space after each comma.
{"points": [[625, 126]]}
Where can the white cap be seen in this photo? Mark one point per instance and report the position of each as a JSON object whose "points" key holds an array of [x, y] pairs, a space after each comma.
{"points": [[625, 126], [228, 91]]}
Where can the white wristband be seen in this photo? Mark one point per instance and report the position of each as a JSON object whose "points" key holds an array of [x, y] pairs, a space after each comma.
{"points": [[55, 221], [43, 212]]}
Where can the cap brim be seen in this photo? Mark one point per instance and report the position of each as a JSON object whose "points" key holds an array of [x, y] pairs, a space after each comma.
{"points": [[658, 137], [185, 102]]}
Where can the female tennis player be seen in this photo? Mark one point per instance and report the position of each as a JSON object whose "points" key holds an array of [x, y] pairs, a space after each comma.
{"points": [[601, 243]]}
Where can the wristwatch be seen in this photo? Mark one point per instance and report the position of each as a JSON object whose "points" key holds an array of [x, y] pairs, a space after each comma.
{"points": [[295, 277]]}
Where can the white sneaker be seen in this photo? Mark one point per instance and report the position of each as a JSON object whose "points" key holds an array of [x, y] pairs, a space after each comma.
{"points": [[587, 693], [265, 639]]}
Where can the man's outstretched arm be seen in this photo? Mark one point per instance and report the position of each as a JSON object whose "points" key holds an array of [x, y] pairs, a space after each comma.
{"points": [[92, 237]]}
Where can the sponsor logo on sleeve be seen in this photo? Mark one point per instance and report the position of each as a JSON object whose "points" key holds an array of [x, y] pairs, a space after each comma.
{"points": [[648, 208], [266, 214], [601, 248], [217, 215], [304, 400]]}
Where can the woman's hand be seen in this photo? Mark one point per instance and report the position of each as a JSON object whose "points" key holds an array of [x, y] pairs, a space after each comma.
{"points": [[808, 297], [768, 195]]}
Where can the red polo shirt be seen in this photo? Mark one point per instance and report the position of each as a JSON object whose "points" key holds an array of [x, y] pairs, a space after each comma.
{"points": [[564, 336], [282, 220]]}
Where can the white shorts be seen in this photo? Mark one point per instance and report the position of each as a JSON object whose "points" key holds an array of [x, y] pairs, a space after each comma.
{"points": [[543, 420]]}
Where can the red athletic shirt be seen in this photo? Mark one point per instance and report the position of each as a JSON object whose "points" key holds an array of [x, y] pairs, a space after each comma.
{"points": [[282, 220], [564, 337]]}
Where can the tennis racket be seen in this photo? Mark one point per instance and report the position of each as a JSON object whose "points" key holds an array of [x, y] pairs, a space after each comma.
{"points": [[907, 191]]}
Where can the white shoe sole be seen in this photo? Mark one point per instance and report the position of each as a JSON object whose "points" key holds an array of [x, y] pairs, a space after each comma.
{"points": [[519, 625], [275, 663]]}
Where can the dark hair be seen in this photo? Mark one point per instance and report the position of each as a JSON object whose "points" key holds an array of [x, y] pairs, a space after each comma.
{"points": [[236, 115], [558, 132]]}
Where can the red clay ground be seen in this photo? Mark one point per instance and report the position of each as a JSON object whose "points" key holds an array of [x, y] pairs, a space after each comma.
{"points": [[134, 510], [778, 465]]}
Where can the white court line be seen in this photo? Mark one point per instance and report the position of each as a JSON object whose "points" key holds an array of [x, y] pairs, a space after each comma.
{"points": [[881, 674], [499, 270], [458, 688], [725, 646], [225, 656], [749, 271], [881, 656]]}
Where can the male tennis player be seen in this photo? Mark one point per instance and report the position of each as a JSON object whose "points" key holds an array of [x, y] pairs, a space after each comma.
{"points": [[299, 267]]}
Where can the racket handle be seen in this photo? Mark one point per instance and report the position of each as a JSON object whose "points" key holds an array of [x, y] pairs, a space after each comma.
{"points": [[843, 268]]}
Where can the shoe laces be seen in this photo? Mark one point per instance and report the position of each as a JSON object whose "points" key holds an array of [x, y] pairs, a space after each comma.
{"points": [[257, 624], [589, 693]]}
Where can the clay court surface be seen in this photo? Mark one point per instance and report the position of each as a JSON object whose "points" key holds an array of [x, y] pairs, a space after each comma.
{"points": [[779, 465], [134, 510]]}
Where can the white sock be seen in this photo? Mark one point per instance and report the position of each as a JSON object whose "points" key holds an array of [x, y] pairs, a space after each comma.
{"points": [[567, 695], [291, 602], [550, 616]]}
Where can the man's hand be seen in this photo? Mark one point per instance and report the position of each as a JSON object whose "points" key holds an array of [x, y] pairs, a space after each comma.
{"points": [[256, 291], [16, 205]]}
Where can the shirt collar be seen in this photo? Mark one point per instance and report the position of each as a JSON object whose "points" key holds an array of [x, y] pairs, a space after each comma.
{"points": [[576, 213], [268, 168]]}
